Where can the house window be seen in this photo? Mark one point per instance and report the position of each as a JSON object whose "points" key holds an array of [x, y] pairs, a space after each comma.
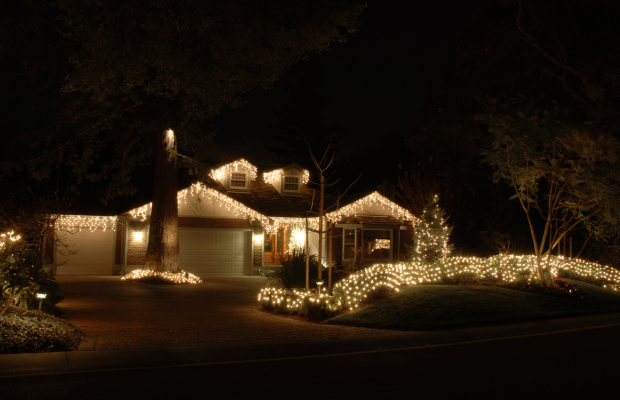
{"points": [[377, 244], [279, 241], [268, 243], [238, 180], [348, 244], [291, 184]]}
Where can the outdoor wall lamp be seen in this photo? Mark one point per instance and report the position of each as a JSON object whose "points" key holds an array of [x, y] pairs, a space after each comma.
{"points": [[258, 239], [137, 235], [41, 297]]}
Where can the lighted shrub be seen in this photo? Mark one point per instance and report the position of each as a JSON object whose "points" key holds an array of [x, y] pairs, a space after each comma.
{"points": [[352, 291]]}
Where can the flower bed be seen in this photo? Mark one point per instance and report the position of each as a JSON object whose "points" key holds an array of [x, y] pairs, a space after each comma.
{"points": [[350, 292]]}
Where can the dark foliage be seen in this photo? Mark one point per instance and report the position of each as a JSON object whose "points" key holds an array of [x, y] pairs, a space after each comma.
{"points": [[292, 270], [559, 288], [36, 332]]}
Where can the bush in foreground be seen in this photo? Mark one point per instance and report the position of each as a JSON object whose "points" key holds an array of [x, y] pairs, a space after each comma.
{"points": [[36, 332]]}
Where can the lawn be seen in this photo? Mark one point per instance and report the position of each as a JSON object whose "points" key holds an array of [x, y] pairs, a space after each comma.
{"points": [[426, 307]]}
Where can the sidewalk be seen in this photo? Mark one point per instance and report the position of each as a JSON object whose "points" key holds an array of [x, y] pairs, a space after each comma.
{"points": [[87, 359]]}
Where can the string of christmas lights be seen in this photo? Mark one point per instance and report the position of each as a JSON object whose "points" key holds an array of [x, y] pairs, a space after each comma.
{"points": [[350, 292], [431, 234], [373, 199], [86, 221], [274, 176], [239, 165], [181, 277]]}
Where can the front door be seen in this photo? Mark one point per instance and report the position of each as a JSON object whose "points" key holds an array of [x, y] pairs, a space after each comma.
{"points": [[275, 246]]}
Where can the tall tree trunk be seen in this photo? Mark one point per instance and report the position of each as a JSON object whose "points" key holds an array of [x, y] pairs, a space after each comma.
{"points": [[163, 249]]}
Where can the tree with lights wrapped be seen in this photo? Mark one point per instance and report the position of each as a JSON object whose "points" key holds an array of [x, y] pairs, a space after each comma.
{"points": [[432, 234]]}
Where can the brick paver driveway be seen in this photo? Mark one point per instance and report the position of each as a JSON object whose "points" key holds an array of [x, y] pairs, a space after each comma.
{"points": [[126, 315]]}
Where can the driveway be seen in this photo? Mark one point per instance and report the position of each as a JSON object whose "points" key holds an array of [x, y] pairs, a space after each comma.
{"points": [[125, 315]]}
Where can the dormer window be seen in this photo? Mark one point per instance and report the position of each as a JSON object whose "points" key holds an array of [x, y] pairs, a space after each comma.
{"points": [[236, 175], [291, 184], [238, 180], [288, 181]]}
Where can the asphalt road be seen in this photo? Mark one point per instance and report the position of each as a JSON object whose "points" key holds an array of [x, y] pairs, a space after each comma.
{"points": [[581, 364]]}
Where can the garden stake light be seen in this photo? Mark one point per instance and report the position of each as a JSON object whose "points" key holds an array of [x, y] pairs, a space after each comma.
{"points": [[41, 297]]}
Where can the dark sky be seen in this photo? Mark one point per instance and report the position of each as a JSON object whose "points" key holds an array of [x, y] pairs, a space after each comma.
{"points": [[373, 82]]}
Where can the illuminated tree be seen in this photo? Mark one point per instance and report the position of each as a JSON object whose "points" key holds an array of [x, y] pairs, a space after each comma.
{"points": [[564, 176], [134, 81], [432, 234]]}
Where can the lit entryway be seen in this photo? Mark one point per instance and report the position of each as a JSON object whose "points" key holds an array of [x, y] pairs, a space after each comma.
{"points": [[212, 252]]}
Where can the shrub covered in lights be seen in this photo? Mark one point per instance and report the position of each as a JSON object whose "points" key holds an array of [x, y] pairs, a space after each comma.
{"points": [[349, 293], [298, 301], [161, 278]]}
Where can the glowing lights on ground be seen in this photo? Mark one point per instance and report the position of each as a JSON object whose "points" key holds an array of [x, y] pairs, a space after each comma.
{"points": [[240, 165], [350, 292], [181, 277]]}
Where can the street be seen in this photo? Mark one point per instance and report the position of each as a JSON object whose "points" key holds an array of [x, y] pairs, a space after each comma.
{"points": [[583, 363]]}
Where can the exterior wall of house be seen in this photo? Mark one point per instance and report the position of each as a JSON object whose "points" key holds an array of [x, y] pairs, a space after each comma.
{"points": [[136, 248], [399, 254], [195, 206], [119, 256], [257, 248]]}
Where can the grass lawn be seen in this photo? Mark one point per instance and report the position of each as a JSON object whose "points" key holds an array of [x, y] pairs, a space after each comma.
{"points": [[425, 307]]}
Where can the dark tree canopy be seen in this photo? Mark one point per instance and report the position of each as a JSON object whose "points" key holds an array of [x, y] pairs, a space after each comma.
{"points": [[119, 70], [302, 118]]}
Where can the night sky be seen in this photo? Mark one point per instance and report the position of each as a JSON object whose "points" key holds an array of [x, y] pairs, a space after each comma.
{"points": [[373, 82]]}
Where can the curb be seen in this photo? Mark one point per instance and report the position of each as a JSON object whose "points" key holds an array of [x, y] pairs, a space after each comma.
{"points": [[88, 359]]}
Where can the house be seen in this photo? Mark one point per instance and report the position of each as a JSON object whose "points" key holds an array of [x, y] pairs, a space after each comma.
{"points": [[236, 222]]}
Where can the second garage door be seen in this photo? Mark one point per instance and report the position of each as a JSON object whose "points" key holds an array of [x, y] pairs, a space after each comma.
{"points": [[211, 253]]}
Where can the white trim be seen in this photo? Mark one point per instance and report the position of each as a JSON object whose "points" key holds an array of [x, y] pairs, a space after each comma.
{"points": [[284, 189]]}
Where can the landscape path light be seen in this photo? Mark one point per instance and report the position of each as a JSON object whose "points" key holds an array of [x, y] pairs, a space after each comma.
{"points": [[320, 283], [41, 297]]}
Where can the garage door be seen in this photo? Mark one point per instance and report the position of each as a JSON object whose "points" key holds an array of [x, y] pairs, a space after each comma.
{"points": [[94, 253], [211, 253]]}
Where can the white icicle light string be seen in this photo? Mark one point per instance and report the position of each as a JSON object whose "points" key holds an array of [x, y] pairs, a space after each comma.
{"points": [[219, 173], [272, 177], [86, 221]]}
